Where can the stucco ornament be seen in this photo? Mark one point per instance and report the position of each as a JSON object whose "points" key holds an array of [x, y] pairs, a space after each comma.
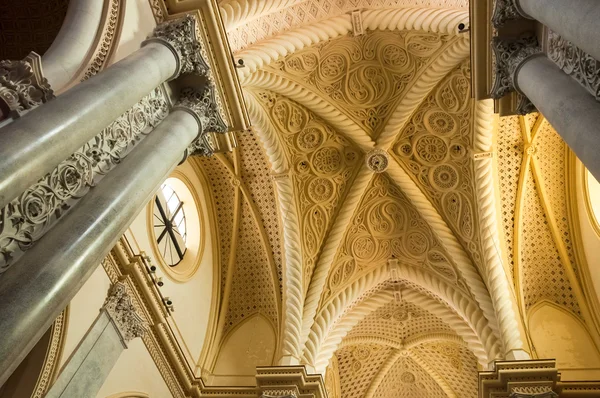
{"points": [[510, 54], [507, 10], [576, 63], [28, 217], [22, 85], [377, 160], [179, 35], [202, 105], [120, 308]]}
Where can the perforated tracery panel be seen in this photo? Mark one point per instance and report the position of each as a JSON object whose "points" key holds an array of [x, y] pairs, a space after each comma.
{"points": [[357, 366]]}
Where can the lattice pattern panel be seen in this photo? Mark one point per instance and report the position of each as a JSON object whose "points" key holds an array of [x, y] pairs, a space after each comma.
{"points": [[256, 174], [400, 321], [223, 197], [386, 225], [365, 76], [324, 165], [510, 157], [551, 156], [29, 25], [454, 363], [407, 379], [305, 12], [252, 287], [357, 366], [543, 274], [434, 149]]}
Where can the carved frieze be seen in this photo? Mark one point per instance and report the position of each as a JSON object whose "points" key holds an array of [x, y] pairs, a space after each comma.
{"points": [[22, 85], [180, 36], [28, 217], [120, 308], [576, 63], [509, 54], [202, 105]]}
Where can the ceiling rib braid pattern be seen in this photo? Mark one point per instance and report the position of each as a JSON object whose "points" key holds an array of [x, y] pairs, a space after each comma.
{"points": [[239, 12]]}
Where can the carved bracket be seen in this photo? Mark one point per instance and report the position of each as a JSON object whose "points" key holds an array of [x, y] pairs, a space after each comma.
{"points": [[202, 105], [179, 35], [119, 307], [510, 54], [23, 86]]}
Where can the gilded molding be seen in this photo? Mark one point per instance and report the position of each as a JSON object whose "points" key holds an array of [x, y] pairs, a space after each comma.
{"points": [[179, 35], [575, 62], [23, 86], [510, 55]]}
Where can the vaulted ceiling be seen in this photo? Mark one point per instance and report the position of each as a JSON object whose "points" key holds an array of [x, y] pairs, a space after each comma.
{"points": [[360, 215]]}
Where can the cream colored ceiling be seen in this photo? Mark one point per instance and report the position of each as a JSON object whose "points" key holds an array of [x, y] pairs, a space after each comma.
{"points": [[306, 229]]}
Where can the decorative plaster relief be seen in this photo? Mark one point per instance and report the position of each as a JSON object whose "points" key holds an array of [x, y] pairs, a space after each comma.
{"points": [[119, 307]]}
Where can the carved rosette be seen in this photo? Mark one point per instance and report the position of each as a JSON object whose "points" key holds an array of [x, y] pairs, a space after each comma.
{"points": [[576, 63], [507, 10], [180, 36], [119, 307], [377, 160], [510, 54], [202, 105], [22, 85]]}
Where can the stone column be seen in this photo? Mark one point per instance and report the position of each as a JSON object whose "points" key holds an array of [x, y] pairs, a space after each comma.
{"points": [[45, 279], [33, 145], [91, 363], [576, 20], [541, 84]]}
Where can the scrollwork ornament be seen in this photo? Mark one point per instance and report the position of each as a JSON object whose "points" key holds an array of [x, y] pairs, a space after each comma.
{"points": [[507, 10], [119, 306], [509, 54], [202, 105], [22, 85], [576, 63], [179, 35], [27, 218]]}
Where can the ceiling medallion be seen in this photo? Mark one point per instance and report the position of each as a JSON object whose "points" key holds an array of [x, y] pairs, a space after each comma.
{"points": [[377, 160]]}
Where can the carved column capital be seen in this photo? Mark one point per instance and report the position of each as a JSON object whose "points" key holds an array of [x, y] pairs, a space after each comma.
{"points": [[202, 105], [120, 309], [507, 10], [179, 35], [510, 55], [22, 85]]}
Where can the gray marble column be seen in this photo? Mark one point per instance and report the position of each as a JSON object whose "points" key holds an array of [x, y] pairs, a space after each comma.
{"points": [[575, 20], [33, 145], [89, 366], [45, 279]]}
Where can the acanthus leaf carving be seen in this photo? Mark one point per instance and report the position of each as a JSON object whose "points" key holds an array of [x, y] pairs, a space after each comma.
{"points": [[22, 85], [119, 306], [507, 10]]}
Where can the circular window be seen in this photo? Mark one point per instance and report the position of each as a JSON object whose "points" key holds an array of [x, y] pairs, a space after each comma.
{"points": [[175, 227], [169, 225]]}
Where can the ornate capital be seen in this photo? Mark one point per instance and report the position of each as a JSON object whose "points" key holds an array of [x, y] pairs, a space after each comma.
{"points": [[179, 35], [22, 85], [202, 105], [575, 62], [119, 307], [510, 54], [507, 10]]}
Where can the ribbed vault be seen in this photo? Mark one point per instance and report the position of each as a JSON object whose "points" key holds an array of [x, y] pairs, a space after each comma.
{"points": [[390, 277]]}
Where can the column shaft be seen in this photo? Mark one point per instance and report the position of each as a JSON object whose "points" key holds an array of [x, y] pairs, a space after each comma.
{"points": [[576, 20], [35, 289], [571, 110], [33, 145]]}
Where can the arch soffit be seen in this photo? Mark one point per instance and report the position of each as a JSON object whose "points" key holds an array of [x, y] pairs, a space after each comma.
{"points": [[334, 321]]}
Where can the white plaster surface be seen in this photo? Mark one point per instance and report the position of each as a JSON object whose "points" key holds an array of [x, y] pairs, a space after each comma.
{"points": [[137, 25]]}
